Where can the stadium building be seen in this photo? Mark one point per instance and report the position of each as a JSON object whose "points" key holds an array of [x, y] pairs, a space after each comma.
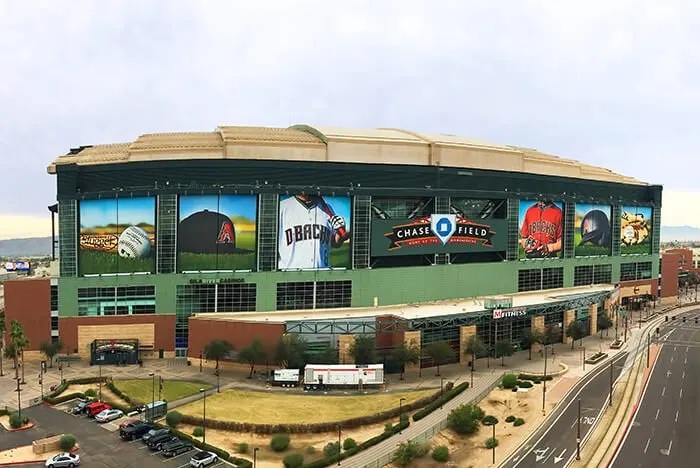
{"points": [[172, 240]]}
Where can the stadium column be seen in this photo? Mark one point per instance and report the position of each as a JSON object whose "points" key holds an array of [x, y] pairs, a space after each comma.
{"points": [[593, 318], [537, 324], [345, 342], [412, 338], [464, 333], [569, 316]]}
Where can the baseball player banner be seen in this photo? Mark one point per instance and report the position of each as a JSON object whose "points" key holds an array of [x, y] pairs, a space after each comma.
{"points": [[217, 232], [117, 235], [541, 229], [592, 230], [635, 230], [314, 232]]}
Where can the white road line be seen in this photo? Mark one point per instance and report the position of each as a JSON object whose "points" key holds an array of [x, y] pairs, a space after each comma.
{"points": [[646, 447], [670, 444], [683, 377], [685, 361], [686, 349], [681, 396], [671, 358], [674, 350], [663, 391], [657, 415], [676, 415]]}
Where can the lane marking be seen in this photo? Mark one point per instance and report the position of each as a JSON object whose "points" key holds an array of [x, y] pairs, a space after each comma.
{"points": [[646, 447], [663, 391], [683, 377], [671, 358], [676, 415], [657, 415], [681, 396], [685, 361]]}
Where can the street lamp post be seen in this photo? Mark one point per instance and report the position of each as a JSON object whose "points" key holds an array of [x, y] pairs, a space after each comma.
{"points": [[200, 361], [401, 400], [153, 395], [578, 432], [611, 383], [544, 380], [99, 382], [41, 384], [339, 446], [218, 387], [584, 359], [255, 457], [442, 379], [204, 418], [60, 369], [493, 426]]}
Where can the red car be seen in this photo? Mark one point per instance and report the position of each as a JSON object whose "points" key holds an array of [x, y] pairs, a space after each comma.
{"points": [[128, 422], [93, 409]]}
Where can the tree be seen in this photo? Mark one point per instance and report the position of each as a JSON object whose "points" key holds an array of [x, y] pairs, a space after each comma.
{"points": [[575, 331], [364, 349], [406, 354], [50, 350], [11, 354], [3, 329], [504, 348], [327, 355], [465, 419], [604, 323], [473, 347], [440, 352], [216, 350], [550, 335], [291, 351], [20, 341], [530, 338], [253, 354]]}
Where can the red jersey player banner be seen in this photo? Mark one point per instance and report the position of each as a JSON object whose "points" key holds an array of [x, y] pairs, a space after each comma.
{"points": [[216, 232], [541, 229], [592, 230], [314, 232]]}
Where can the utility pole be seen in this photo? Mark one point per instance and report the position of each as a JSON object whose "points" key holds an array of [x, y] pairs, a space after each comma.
{"points": [[494, 443], [648, 346], [584, 359], [578, 432], [544, 381], [611, 383]]}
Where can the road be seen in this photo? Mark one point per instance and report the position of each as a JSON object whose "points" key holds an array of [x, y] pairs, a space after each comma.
{"points": [[555, 444], [664, 431]]}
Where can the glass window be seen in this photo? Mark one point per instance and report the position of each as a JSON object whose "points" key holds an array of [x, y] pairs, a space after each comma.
{"points": [[583, 275], [552, 278], [529, 280], [602, 274], [314, 295]]}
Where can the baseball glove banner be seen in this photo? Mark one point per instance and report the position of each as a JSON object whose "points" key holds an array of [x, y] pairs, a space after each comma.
{"points": [[635, 229]]}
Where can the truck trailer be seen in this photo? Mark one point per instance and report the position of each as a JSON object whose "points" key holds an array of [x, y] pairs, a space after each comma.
{"points": [[320, 376], [285, 377]]}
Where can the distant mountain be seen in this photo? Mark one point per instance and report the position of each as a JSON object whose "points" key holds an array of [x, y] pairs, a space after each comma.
{"points": [[680, 233], [29, 247]]}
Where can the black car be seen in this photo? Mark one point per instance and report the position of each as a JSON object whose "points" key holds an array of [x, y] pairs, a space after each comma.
{"points": [[154, 433], [135, 430], [176, 447], [157, 443], [81, 407]]}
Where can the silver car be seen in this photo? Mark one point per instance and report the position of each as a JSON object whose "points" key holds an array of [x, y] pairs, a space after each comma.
{"points": [[109, 415], [202, 459], [62, 460]]}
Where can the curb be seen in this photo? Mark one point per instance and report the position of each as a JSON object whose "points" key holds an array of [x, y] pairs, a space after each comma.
{"points": [[23, 428], [26, 462]]}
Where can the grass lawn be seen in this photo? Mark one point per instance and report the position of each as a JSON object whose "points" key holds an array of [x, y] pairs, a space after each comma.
{"points": [[92, 261], [142, 389], [278, 408]]}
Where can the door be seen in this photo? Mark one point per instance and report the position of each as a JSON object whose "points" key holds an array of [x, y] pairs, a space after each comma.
{"points": [[160, 353]]}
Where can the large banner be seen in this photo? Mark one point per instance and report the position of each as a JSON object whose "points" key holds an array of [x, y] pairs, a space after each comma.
{"points": [[541, 229], [216, 232], [314, 232], [117, 235], [592, 230], [635, 230]]}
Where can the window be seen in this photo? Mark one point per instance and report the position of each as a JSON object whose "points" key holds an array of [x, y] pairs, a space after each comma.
{"points": [[54, 297], [143, 309], [602, 274], [635, 271], [536, 279], [552, 278], [54, 323], [120, 300], [583, 275], [238, 297], [314, 295], [402, 208]]}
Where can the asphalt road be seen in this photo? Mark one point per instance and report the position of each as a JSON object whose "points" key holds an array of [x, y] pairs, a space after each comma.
{"points": [[664, 432], [555, 444]]}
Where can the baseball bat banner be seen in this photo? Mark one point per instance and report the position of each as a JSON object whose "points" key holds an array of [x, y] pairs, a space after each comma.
{"points": [[117, 235], [592, 230], [635, 229], [314, 232], [217, 232], [541, 229]]}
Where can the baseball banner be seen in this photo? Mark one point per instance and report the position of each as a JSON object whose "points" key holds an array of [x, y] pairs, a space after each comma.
{"points": [[217, 232], [314, 232], [635, 230], [541, 229], [117, 235], [592, 230]]}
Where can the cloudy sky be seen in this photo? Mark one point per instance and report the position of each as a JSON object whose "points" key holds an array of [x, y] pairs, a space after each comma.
{"points": [[608, 83]]}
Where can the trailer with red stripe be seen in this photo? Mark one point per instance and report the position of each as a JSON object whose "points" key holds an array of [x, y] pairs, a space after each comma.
{"points": [[320, 376]]}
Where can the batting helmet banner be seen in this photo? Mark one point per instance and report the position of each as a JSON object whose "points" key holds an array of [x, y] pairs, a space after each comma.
{"points": [[635, 229], [592, 230]]}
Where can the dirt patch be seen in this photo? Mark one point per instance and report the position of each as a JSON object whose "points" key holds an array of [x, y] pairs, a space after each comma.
{"points": [[24, 454], [106, 392], [299, 443]]}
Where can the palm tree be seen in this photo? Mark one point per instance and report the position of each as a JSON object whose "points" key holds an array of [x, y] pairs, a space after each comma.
{"points": [[20, 341], [3, 329], [11, 353]]}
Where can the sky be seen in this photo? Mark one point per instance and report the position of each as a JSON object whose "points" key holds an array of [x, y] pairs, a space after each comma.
{"points": [[607, 83]]}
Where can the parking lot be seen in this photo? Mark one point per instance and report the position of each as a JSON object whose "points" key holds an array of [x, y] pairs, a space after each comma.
{"points": [[100, 444]]}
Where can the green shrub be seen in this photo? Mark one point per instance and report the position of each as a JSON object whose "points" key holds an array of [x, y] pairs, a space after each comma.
{"points": [[331, 448], [173, 418], [243, 447], [489, 420], [67, 442], [441, 453], [279, 442], [91, 393], [465, 419], [310, 450], [514, 389], [16, 421], [349, 443], [524, 384], [519, 422], [509, 380], [407, 452], [510, 419], [388, 427], [491, 442], [295, 460], [447, 396], [537, 381], [534, 377], [198, 431]]}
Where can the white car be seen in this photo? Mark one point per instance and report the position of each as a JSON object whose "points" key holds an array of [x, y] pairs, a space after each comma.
{"points": [[62, 460], [109, 415], [201, 459]]}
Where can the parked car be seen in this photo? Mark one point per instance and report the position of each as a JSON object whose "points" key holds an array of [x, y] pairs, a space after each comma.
{"points": [[157, 443], [135, 430], [109, 415], [128, 422], [96, 407], [154, 433], [81, 407], [201, 459], [176, 447], [62, 460]]}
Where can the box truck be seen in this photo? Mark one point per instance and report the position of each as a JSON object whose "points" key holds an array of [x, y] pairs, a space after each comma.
{"points": [[285, 377], [319, 376]]}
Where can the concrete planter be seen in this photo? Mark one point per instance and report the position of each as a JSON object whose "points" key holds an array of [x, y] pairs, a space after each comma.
{"points": [[596, 358]]}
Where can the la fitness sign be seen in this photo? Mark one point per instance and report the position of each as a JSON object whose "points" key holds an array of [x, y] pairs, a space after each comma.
{"points": [[509, 313]]}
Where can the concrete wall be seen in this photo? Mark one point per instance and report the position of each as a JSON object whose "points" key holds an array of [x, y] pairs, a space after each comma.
{"points": [[240, 334]]}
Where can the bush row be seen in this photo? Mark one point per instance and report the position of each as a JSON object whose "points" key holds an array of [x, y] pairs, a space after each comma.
{"points": [[123, 395], [441, 400], [54, 399], [432, 401], [327, 461], [534, 377]]}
